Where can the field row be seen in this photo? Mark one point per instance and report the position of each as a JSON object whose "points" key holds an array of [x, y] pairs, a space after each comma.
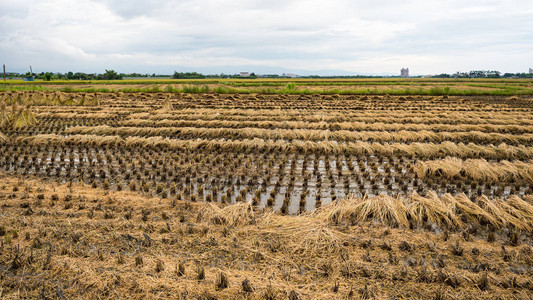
{"points": [[329, 116], [332, 117], [260, 101], [308, 134], [420, 150], [60, 122], [461, 87], [289, 183]]}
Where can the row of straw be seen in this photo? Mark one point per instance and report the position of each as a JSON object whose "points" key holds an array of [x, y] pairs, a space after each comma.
{"points": [[351, 126], [423, 150], [329, 117], [71, 115], [476, 169], [307, 134], [55, 98], [321, 115]]}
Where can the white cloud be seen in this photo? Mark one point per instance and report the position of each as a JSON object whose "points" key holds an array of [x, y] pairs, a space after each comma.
{"points": [[216, 35]]}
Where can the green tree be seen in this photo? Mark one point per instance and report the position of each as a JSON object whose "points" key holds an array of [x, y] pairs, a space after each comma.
{"points": [[47, 76], [187, 75], [111, 75]]}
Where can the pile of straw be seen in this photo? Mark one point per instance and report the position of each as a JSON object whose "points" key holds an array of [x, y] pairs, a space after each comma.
{"points": [[446, 212], [238, 214], [477, 169]]}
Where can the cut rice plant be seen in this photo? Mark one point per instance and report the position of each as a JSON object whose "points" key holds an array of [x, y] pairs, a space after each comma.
{"points": [[446, 212], [431, 210], [16, 116], [167, 106], [238, 213], [477, 169], [387, 210]]}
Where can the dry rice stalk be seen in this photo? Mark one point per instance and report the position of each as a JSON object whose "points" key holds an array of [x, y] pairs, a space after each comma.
{"points": [[468, 211], [387, 210], [232, 215], [477, 169], [431, 210], [519, 212], [16, 116], [305, 234], [167, 105], [494, 209], [446, 212]]}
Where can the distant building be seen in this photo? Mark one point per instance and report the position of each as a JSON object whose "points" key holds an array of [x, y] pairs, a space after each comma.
{"points": [[530, 71], [244, 74], [404, 72], [290, 75]]}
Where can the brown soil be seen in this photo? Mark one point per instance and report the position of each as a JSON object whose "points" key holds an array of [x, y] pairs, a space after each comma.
{"points": [[73, 241]]}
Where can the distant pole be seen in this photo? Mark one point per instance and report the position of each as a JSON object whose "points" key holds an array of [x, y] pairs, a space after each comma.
{"points": [[4, 72]]}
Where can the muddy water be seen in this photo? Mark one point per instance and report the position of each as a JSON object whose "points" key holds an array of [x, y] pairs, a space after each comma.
{"points": [[328, 177]]}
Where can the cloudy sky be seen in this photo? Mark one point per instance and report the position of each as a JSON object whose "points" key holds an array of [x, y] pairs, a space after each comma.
{"points": [[267, 36]]}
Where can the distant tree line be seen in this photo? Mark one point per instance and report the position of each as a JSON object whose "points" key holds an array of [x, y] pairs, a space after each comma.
{"points": [[484, 74], [113, 75], [517, 75], [47, 76], [195, 75], [188, 75]]}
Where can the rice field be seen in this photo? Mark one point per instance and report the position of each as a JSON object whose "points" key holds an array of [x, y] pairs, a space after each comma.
{"points": [[272, 195], [283, 86]]}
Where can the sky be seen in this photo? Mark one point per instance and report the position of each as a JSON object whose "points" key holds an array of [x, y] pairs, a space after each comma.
{"points": [[334, 37]]}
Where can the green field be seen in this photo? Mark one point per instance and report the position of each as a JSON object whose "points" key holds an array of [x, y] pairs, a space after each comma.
{"points": [[381, 86]]}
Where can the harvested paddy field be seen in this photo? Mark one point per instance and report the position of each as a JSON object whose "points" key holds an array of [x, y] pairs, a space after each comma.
{"points": [[265, 196]]}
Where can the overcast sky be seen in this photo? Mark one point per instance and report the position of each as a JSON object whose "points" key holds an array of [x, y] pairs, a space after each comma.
{"points": [[267, 36]]}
